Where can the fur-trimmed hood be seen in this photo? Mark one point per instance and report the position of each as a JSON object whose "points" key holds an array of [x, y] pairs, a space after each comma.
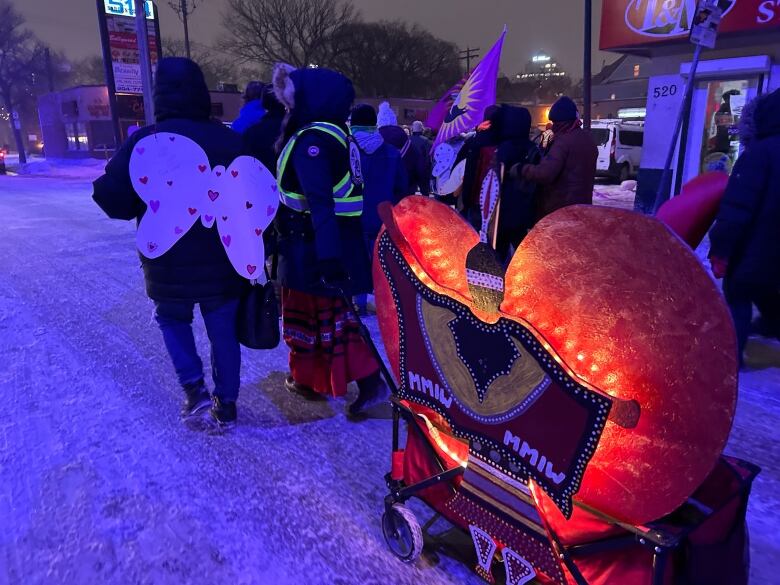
{"points": [[313, 95]]}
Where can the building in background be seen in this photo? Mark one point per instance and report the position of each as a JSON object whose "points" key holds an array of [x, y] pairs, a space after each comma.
{"points": [[540, 67], [652, 35], [76, 122]]}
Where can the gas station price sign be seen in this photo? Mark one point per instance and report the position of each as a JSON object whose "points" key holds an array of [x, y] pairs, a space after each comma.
{"points": [[127, 8]]}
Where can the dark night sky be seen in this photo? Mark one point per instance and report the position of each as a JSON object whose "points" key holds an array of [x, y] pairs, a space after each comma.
{"points": [[551, 25]]}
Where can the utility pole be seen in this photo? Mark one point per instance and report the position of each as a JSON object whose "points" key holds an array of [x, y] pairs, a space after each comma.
{"points": [[467, 55], [587, 74], [49, 69], [184, 9], [142, 34]]}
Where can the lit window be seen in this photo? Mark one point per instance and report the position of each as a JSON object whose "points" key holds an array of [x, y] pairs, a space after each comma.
{"points": [[636, 70]]}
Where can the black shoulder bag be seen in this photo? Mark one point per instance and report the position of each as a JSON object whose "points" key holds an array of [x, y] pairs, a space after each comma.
{"points": [[258, 316]]}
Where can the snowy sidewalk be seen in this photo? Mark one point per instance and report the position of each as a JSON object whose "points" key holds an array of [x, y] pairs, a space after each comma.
{"points": [[101, 483]]}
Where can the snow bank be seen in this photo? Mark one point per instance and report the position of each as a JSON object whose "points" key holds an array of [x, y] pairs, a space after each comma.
{"points": [[86, 168]]}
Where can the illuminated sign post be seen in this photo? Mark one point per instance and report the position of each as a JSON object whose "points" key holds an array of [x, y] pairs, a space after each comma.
{"points": [[121, 54]]}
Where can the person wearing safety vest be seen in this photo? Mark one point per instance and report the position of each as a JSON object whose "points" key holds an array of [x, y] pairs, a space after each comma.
{"points": [[323, 260]]}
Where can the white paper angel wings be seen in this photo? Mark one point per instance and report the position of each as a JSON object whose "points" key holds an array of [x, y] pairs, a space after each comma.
{"points": [[172, 175]]}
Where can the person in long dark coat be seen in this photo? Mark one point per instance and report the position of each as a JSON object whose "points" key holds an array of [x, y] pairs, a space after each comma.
{"points": [[745, 240], [323, 259], [196, 270]]}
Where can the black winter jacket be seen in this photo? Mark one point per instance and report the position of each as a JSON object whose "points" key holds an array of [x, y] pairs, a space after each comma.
{"points": [[747, 229], [317, 163], [196, 268]]}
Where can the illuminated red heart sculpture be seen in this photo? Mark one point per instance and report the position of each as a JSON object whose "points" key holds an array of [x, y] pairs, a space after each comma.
{"points": [[629, 309]]}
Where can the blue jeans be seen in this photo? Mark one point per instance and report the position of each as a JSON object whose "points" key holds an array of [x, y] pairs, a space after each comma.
{"points": [[175, 320]]}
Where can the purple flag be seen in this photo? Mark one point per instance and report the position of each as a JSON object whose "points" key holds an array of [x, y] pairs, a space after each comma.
{"points": [[442, 107], [478, 93]]}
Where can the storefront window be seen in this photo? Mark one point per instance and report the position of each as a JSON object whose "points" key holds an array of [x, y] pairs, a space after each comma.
{"points": [[77, 136], [720, 147]]}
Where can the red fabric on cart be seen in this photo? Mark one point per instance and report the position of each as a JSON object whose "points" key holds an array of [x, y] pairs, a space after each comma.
{"points": [[419, 465], [691, 213], [713, 554]]}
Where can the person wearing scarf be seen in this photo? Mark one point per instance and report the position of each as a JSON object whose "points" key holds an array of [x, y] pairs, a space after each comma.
{"points": [[567, 173]]}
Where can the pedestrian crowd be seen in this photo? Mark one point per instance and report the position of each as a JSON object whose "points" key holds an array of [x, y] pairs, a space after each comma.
{"points": [[335, 163]]}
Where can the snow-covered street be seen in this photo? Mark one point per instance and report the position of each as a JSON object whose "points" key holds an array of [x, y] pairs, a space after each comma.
{"points": [[101, 483]]}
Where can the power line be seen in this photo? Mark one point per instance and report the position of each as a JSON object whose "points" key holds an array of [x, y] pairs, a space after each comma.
{"points": [[184, 9], [467, 55]]}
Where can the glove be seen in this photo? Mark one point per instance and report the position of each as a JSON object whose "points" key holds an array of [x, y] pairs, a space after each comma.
{"points": [[719, 266], [332, 273]]}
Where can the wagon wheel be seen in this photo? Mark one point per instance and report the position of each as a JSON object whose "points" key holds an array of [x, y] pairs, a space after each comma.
{"points": [[403, 533]]}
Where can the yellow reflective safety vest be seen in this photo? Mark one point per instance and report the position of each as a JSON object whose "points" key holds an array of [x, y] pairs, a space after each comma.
{"points": [[347, 193]]}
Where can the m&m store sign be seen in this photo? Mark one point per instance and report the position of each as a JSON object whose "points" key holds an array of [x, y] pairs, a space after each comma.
{"points": [[635, 23]]}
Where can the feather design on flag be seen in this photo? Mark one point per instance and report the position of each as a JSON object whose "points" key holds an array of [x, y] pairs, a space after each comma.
{"points": [[477, 94]]}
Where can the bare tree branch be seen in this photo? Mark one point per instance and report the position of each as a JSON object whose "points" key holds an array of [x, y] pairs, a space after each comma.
{"points": [[299, 32]]}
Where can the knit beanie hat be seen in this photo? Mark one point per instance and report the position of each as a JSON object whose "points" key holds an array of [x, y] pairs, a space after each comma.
{"points": [[386, 116], [563, 110]]}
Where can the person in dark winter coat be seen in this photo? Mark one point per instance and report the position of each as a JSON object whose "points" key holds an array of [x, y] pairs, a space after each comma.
{"points": [[416, 161], [518, 206], [745, 240], [196, 270], [260, 139], [478, 151], [322, 253], [260, 142], [252, 111], [384, 176], [568, 171]]}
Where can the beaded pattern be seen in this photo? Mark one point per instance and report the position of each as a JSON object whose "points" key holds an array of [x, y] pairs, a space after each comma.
{"points": [[492, 452]]}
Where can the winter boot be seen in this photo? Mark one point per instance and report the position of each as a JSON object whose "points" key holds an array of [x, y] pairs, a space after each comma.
{"points": [[197, 399], [223, 413], [294, 387], [372, 390]]}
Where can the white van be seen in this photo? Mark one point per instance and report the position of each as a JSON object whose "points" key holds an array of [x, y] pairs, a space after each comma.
{"points": [[620, 148]]}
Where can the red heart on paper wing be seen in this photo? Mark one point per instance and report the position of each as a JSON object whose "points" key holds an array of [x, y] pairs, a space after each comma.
{"points": [[657, 332], [219, 173], [151, 246], [249, 205], [155, 205], [202, 168], [192, 210], [171, 138], [270, 210], [258, 231], [251, 269], [169, 183], [234, 173], [213, 195], [144, 180], [140, 150], [177, 230], [226, 240], [224, 218], [208, 218]]}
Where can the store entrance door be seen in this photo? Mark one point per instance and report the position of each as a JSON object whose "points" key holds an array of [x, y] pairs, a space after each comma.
{"points": [[713, 133]]}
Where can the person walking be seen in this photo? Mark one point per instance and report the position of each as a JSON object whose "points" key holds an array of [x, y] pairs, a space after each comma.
{"points": [[384, 177], [416, 161], [252, 111], [196, 270], [261, 137], [518, 206], [745, 240], [568, 172], [322, 253]]}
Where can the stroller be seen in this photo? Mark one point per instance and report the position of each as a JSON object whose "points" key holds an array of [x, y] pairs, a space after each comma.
{"points": [[520, 528], [703, 542]]}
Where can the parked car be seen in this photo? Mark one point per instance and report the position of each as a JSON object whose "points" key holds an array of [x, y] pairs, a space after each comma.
{"points": [[620, 148]]}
